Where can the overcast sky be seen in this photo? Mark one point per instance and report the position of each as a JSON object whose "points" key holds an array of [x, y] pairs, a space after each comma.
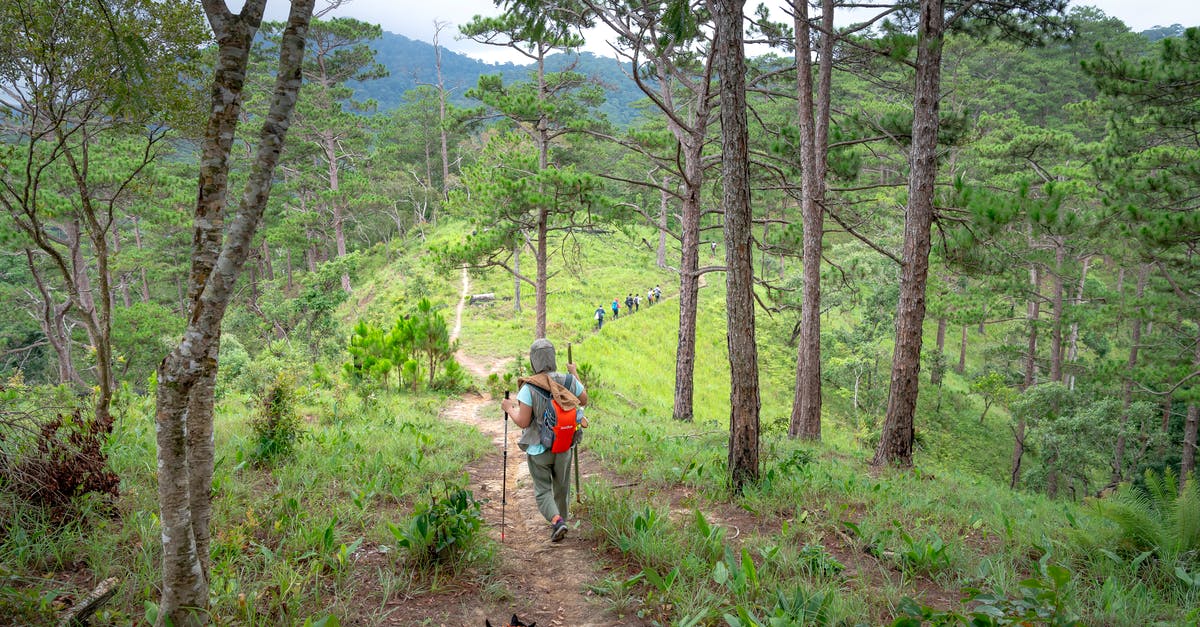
{"points": [[415, 19]]}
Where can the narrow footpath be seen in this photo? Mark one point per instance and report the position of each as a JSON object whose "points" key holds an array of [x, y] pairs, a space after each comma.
{"points": [[548, 582]]}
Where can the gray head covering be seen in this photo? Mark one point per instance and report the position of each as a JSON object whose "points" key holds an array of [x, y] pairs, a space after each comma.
{"points": [[541, 356]]}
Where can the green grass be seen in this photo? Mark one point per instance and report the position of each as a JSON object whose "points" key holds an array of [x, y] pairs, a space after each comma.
{"points": [[820, 539], [953, 523], [283, 539]]}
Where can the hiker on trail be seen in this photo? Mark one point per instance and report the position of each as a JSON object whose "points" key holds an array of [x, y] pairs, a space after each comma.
{"points": [[600, 317], [616, 309], [629, 303], [637, 302], [657, 293], [551, 472]]}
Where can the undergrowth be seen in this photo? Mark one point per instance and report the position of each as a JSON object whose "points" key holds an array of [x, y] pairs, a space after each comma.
{"points": [[289, 542], [820, 539]]}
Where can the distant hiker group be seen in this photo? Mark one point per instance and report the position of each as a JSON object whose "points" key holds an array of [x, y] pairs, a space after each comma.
{"points": [[633, 302]]}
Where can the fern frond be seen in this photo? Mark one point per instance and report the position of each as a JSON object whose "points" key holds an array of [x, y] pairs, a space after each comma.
{"points": [[1187, 517], [1140, 524], [1162, 490]]}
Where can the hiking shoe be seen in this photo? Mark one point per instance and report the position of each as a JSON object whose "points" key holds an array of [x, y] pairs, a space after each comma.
{"points": [[558, 531]]}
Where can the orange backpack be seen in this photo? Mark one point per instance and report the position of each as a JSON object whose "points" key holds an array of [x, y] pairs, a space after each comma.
{"points": [[557, 427]]}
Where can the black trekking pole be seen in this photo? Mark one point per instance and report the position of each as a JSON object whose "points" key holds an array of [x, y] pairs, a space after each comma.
{"points": [[578, 494], [504, 474]]}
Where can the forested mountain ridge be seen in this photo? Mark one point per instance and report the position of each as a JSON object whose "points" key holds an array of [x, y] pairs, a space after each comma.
{"points": [[411, 63], [1163, 32]]}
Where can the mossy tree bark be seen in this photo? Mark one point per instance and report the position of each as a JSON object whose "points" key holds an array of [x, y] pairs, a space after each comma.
{"points": [[186, 376]]}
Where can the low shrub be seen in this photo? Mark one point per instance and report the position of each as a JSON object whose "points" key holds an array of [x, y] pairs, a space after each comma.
{"points": [[441, 529], [276, 425]]}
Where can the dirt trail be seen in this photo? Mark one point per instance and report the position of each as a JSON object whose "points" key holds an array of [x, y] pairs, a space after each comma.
{"points": [[548, 581]]}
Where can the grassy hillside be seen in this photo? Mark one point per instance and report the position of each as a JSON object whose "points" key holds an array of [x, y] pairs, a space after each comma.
{"points": [[823, 528], [823, 539]]}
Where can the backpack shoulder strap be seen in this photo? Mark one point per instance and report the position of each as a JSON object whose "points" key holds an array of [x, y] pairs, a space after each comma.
{"points": [[544, 393], [534, 383]]}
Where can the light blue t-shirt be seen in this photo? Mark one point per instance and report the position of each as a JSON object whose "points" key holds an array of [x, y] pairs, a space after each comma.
{"points": [[525, 395]]}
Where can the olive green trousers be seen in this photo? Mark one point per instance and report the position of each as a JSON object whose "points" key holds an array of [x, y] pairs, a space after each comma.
{"points": [[551, 473]]}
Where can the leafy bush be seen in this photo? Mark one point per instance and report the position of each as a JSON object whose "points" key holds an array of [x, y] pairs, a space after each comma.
{"points": [[442, 528], [416, 341], [276, 425], [265, 366]]}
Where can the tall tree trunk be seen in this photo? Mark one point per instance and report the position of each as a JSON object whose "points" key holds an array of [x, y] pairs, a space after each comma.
{"points": [[183, 417], [1165, 429], [539, 329], [81, 283], [1187, 462], [895, 442], [1135, 340], [1187, 457], [96, 319], [137, 240], [252, 283], [805, 419], [1033, 312], [691, 141], [437, 52], [543, 216], [962, 352], [1056, 334], [689, 284], [935, 377], [766, 233], [311, 256], [52, 320], [339, 216], [123, 280], [265, 256], [1073, 342], [661, 255], [739, 259]]}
